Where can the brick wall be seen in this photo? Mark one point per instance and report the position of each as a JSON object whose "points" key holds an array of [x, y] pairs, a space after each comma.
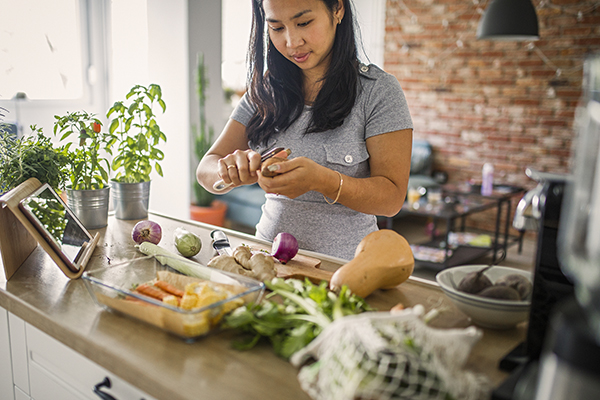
{"points": [[491, 101]]}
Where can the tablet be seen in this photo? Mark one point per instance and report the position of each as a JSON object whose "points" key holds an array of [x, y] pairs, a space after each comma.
{"points": [[57, 224]]}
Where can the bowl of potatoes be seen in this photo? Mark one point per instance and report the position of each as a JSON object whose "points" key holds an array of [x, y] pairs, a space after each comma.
{"points": [[492, 296]]}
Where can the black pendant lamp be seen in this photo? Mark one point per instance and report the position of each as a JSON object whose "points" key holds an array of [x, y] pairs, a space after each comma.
{"points": [[509, 20]]}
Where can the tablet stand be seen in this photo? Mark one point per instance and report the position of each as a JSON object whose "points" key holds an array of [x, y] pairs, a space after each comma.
{"points": [[19, 237]]}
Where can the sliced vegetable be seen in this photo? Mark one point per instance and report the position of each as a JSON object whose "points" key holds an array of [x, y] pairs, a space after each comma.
{"points": [[167, 287], [285, 247], [383, 260], [146, 231], [187, 243], [177, 262], [151, 291]]}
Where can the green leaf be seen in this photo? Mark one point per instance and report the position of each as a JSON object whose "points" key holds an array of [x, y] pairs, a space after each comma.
{"points": [[158, 169], [128, 123], [114, 124]]}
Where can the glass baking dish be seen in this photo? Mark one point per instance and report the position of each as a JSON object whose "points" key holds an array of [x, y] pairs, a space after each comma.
{"points": [[220, 292]]}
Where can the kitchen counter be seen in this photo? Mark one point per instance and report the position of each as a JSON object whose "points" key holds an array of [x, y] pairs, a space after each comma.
{"points": [[167, 367]]}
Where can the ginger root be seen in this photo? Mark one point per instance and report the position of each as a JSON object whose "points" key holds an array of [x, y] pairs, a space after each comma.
{"points": [[259, 266]]}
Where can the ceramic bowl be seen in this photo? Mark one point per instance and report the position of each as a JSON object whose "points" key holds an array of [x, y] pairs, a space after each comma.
{"points": [[485, 312]]}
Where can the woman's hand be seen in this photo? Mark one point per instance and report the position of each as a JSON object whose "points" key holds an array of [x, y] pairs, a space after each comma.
{"points": [[240, 167], [294, 177]]}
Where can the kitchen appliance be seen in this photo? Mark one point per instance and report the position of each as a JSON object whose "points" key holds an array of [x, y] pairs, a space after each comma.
{"points": [[570, 362], [550, 285], [560, 358]]}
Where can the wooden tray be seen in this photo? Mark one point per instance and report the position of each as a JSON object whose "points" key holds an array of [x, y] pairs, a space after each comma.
{"points": [[301, 267]]}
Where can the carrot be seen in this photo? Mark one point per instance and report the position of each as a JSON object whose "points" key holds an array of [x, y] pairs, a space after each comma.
{"points": [[151, 291], [167, 287], [138, 301]]}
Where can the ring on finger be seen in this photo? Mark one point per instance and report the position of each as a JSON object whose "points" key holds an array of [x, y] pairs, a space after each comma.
{"points": [[231, 166]]}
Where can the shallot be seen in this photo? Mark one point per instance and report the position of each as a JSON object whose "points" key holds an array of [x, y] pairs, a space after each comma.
{"points": [[285, 247], [146, 231]]}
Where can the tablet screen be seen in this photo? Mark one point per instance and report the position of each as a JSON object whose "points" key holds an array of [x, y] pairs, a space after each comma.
{"points": [[57, 223]]}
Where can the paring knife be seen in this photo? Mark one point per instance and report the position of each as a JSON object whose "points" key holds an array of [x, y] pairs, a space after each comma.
{"points": [[220, 242], [221, 185]]}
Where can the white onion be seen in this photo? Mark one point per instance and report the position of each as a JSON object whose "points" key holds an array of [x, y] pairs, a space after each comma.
{"points": [[146, 231]]}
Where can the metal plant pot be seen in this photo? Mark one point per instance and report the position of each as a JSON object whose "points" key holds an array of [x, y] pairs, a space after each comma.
{"points": [[130, 200], [90, 206]]}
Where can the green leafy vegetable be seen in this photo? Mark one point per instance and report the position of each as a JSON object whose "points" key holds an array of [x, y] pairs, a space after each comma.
{"points": [[304, 310]]}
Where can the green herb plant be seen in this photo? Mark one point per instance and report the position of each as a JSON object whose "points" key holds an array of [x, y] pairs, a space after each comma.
{"points": [[202, 135], [137, 134], [304, 311], [31, 156], [89, 166]]}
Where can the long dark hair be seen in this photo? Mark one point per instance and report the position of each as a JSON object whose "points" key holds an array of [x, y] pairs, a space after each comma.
{"points": [[277, 92]]}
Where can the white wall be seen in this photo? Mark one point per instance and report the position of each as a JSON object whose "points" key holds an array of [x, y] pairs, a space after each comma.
{"points": [[149, 45], [168, 67]]}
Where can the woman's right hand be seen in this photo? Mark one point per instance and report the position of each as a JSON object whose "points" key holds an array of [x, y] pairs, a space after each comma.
{"points": [[239, 167]]}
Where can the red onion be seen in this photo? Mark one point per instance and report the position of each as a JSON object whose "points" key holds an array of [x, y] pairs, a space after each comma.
{"points": [[285, 247], [146, 231]]}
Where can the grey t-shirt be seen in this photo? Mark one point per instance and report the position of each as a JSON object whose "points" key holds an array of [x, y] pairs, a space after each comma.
{"points": [[336, 230]]}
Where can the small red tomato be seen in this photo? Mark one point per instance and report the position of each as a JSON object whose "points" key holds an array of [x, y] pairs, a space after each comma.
{"points": [[97, 127]]}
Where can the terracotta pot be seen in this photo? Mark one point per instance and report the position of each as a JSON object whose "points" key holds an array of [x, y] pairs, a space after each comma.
{"points": [[214, 215]]}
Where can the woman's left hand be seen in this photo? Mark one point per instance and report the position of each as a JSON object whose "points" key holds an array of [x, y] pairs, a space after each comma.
{"points": [[294, 177]]}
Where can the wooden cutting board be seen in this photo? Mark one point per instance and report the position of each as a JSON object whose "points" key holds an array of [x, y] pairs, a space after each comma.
{"points": [[301, 267]]}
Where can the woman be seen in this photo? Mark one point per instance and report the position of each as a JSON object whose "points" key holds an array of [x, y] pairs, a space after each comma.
{"points": [[347, 125]]}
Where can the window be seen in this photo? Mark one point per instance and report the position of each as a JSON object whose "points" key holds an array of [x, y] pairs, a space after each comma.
{"points": [[42, 49]]}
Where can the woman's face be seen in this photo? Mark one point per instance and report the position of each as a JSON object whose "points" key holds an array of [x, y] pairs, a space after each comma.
{"points": [[303, 31]]}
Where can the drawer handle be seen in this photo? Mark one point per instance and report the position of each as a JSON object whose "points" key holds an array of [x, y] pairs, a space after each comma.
{"points": [[98, 389]]}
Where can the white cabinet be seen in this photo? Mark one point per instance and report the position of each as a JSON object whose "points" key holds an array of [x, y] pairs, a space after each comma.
{"points": [[57, 372], [35, 366], [18, 352], [6, 377]]}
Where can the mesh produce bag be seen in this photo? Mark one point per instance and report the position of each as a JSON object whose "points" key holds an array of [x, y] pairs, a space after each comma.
{"points": [[382, 355]]}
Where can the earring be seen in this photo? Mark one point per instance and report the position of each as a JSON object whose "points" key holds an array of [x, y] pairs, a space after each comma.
{"points": [[339, 21]]}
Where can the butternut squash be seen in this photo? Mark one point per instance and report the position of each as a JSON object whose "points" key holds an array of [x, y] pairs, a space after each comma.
{"points": [[383, 260]]}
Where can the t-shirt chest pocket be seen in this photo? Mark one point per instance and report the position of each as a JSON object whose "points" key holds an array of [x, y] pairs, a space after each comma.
{"points": [[348, 158]]}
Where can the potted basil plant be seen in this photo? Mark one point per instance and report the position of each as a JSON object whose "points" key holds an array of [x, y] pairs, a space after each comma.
{"points": [[88, 187], [136, 155]]}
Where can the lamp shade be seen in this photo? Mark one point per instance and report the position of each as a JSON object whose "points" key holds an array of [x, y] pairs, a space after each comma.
{"points": [[509, 20]]}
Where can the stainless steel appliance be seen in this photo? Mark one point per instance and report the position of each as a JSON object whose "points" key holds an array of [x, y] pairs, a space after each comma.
{"points": [[542, 207], [560, 359]]}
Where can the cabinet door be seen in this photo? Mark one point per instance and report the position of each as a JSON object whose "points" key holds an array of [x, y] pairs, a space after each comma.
{"points": [[18, 352], [46, 386], [58, 372], [21, 395], [6, 376]]}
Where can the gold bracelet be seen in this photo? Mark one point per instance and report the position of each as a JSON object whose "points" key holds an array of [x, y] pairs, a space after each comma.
{"points": [[339, 191]]}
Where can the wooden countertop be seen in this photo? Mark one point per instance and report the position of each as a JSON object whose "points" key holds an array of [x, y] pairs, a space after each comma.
{"points": [[167, 367]]}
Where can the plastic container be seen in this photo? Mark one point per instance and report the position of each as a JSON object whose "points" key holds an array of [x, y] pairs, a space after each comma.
{"points": [[112, 289], [487, 181]]}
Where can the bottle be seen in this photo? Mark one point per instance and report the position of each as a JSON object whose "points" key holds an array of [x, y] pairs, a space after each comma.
{"points": [[487, 181]]}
